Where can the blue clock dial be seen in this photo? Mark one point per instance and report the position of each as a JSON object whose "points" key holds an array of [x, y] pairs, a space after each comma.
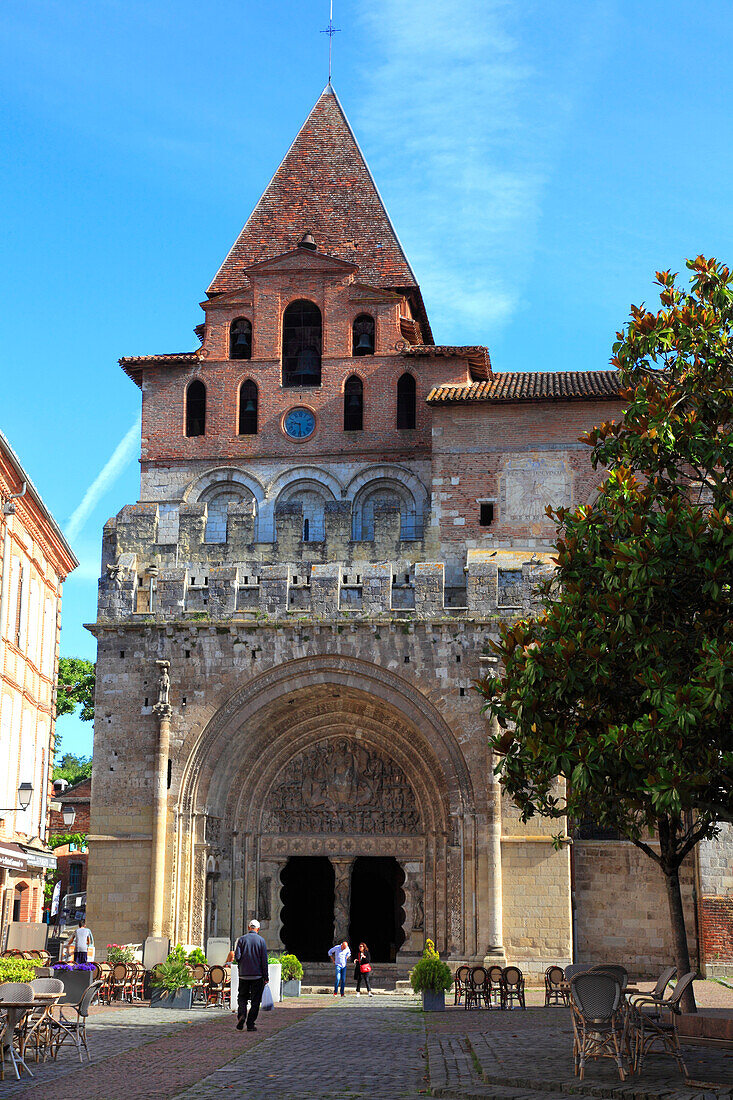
{"points": [[299, 423]]}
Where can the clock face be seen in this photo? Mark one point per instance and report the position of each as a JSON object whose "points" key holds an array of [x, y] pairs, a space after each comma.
{"points": [[299, 423]]}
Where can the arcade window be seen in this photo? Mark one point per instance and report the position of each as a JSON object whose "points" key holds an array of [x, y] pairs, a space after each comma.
{"points": [[363, 335], [240, 338], [486, 515], [75, 873], [248, 401], [353, 404], [302, 338], [196, 408], [406, 402]]}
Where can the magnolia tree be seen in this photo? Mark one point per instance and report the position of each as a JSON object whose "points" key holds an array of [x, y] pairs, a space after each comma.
{"points": [[623, 685]]}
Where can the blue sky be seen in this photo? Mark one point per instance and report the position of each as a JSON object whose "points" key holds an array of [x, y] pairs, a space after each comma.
{"points": [[539, 160]]}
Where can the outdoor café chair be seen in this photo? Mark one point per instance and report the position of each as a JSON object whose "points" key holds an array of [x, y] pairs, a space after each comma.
{"points": [[217, 983], [495, 988], [614, 970], [35, 1026], [200, 977], [598, 1025], [460, 983], [13, 993], [74, 1029], [138, 982], [121, 982], [652, 1024], [573, 969], [513, 986], [662, 982], [477, 992], [555, 989]]}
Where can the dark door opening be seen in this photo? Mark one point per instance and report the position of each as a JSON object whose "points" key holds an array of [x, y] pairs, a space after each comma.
{"points": [[376, 913], [307, 912]]}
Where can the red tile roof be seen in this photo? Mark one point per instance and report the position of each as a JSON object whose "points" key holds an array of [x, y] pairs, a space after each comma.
{"points": [[133, 365], [589, 385], [477, 356], [324, 187]]}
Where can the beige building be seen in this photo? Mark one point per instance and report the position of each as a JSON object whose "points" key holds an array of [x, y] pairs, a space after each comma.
{"points": [[35, 560], [335, 514]]}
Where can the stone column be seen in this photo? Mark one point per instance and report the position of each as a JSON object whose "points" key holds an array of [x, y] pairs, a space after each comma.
{"points": [[341, 896], [495, 946], [163, 712]]}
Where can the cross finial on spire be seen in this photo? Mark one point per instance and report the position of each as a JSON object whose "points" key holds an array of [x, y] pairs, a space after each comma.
{"points": [[330, 31]]}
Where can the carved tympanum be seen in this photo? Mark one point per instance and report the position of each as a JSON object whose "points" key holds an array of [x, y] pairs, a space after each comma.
{"points": [[341, 787]]}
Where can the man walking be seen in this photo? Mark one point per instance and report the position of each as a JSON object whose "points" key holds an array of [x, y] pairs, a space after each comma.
{"points": [[250, 953], [82, 938], [340, 955]]}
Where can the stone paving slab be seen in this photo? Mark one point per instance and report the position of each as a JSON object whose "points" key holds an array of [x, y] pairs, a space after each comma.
{"points": [[372, 1047]]}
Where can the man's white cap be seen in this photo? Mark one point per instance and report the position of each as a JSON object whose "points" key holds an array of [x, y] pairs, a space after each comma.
{"points": [[254, 924]]}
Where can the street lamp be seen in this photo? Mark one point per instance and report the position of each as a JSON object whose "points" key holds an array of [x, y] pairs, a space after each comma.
{"points": [[25, 794], [69, 814]]}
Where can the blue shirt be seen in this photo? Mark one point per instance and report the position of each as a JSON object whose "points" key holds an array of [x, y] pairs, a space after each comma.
{"points": [[340, 955], [250, 953]]}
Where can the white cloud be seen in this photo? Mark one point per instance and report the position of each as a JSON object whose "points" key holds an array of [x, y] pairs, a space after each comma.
{"points": [[123, 454]]}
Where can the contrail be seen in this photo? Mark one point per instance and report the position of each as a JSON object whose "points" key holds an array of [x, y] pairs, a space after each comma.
{"points": [[123, 453]]}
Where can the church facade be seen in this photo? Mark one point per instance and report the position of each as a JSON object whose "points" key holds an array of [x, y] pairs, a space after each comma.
{"points": [[335, 514]]}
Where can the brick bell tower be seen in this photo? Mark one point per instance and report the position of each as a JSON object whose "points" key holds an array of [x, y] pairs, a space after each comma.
{"points": [[334, 514]]}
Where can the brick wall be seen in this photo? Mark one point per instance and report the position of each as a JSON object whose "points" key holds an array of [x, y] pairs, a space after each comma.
{"points": [[716, 928]]}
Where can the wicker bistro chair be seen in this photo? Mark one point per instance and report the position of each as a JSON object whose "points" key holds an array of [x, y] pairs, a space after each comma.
{"points": [[513, 981], [555, 988], [35, 1029], [216, 986], [18, 992], [619, 972], [460, 984], [138, 982], [495, 988], [599, 1026], [651, 1021], [200, 982], [121, 982], [662, 982], [477, 989], [74, 1029]]}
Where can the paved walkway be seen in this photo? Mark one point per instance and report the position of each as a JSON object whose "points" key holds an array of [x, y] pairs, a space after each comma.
{"points": [[384, 1048]]}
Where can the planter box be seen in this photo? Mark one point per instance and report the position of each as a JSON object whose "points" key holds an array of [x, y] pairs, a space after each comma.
{"points": [[433, 1002], [291, 988], [76, 983], [162, 998], [275, 971]]}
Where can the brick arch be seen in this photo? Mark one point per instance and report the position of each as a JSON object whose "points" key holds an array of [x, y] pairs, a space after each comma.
{"points": [[420, 730], [296, 474], [399, 475], [223, 477]]}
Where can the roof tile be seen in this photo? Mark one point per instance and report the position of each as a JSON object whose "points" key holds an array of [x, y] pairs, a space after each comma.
{"points": [[601, 385]]}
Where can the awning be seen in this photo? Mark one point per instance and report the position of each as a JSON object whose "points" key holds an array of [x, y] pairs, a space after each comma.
{"points": [[35, 858], [13, 856]]}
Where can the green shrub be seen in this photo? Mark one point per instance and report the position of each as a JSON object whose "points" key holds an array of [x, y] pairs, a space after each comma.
{"points": [[172, 974], [195, 957], [17, 970], [292, 968], [272, 957], [431, 974]]}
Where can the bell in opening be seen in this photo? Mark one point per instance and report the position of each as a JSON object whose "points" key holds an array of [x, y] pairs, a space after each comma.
{"points": [[353, 404], [240, 339], [302, 334], [248, 398], [363, 335]]}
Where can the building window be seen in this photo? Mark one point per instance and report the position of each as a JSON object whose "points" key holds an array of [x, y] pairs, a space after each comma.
{"points": [[248, 408], [302, 333], [196, 408], [406, 402], [486, 515], [353, 404], [75, 876], [363, 335], [240, 339]]}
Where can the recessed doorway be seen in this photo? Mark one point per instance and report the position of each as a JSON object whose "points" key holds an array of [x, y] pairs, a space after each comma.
{"points": [[376, 913], [307, 912]]}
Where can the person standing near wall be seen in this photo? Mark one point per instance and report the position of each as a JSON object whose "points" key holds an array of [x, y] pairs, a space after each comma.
{"points": [[363, 969], [340, 953], [82, 939]]}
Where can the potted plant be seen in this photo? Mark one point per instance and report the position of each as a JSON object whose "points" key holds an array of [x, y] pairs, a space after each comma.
{"points": [[431, 977], [18, 970], [118, 953], [77, 977], [292, 972], [171, 983], [274, 969], [195, 957]]}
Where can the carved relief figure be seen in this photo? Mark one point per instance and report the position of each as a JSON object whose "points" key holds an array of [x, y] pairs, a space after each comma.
{"points": [[164, 682], [341, 787], [263, 898], [418, 907]]}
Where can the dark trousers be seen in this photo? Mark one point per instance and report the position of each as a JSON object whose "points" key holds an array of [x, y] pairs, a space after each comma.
{"points": [[81, 956], [250, 989], [363, 978]]}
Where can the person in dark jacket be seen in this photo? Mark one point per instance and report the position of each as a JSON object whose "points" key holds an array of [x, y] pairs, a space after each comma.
{"points": [[363, 958], [250, 954]]}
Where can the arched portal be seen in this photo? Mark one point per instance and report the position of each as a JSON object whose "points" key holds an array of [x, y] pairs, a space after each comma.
{"points": [[328, 758]]}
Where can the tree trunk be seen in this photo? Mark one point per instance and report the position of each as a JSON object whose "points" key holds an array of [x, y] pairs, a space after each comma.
{"points": [[671, 869]]}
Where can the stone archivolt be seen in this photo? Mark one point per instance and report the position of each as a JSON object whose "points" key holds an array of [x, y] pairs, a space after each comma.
{"points": [[341, 788]]}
